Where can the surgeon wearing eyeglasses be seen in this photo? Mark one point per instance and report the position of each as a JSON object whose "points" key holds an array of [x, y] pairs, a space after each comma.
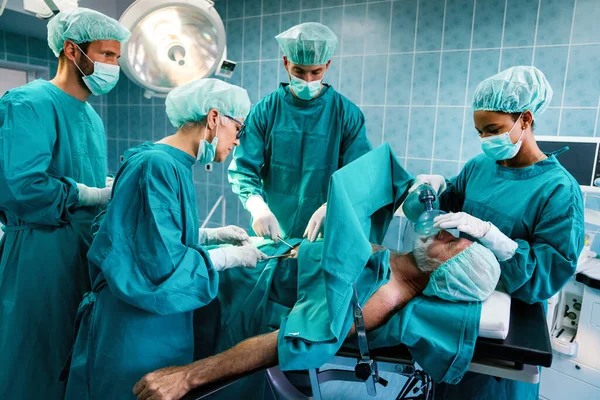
{"points": [[519, 202], [295, 139]]}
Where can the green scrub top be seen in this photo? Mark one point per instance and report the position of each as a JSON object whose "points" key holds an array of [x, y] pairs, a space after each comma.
{"points": [[49, 141], [291, 147], [541, 208], [149, 276]]}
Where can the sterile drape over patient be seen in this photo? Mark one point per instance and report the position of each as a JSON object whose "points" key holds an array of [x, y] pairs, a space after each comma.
{"points": [[310, 299]]}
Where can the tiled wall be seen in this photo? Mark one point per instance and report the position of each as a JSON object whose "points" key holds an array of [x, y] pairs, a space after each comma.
{"points": [[411, 65]]}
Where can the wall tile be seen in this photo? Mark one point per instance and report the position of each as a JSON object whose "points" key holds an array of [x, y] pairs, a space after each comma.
{"points": [[287, 6], [429, 25], [521, 16], [288, 20], [425, 81], [453, 83], [403, 26], [251, 80], [271, 6], [459, 21], [586, 28], [396, 129], [448, 169], [489, 17], [377, 37], [583, 79], [252, 39], [547, 123], [332, 17], [514, 57], [448, 133], [310, 16], [268, 74], [252, 8], [374, 83], [553, 62], [310, 4], [554, 25], [235, 29], [350, 85], [417, 167], [235, 9], [352, 38], [421, 132], [484, 63], [270, 29], [374, 120], [399, 79], [578, 122]]}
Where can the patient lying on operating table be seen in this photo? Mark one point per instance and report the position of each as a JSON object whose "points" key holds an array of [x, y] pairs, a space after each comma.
{"points": [[254, 302]]}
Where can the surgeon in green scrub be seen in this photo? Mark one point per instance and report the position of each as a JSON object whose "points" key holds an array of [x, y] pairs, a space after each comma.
{"points": [[52, 185], [517, 201], [149, 266], [295, 139]]}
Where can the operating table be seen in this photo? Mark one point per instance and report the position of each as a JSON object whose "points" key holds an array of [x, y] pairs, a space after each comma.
{"points": [[514, 352]]}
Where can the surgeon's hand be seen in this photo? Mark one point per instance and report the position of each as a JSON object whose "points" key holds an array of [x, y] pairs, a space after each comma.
{"points": [[227, 235], [169, 383], [93, 196], [316, 224], [488, 234], [437, 182], [109, 181], [229, 257], [264, 223]]}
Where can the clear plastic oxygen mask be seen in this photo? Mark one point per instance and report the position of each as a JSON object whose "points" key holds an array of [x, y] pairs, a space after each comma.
{"points": [[424, 225]]}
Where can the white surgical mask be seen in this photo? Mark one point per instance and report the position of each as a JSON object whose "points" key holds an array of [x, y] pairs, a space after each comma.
{"points": [[500, 147]]}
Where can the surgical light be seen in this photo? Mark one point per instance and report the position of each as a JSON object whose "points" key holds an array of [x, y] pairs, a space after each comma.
{"points": [[172, 43]]}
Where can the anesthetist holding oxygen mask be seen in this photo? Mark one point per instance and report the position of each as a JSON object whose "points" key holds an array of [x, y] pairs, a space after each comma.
{"points": [[295, 139], [517, 201]]}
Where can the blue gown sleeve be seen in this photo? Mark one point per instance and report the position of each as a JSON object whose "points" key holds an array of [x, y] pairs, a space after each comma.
{"points": [[151, 267], [542, 266], [249, 157], [354, 138], [26, 188]]}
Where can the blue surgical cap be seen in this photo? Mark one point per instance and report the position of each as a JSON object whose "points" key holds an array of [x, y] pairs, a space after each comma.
{"points": [[310, 43], [82, 25], [471, 275], [514, 90], [192, 102]]}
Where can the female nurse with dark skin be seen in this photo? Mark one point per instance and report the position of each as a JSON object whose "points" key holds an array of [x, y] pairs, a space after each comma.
{"points": [[519, 202]]}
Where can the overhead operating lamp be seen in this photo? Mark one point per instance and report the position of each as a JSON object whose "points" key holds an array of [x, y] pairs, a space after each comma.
{"points": [[172, 43]]}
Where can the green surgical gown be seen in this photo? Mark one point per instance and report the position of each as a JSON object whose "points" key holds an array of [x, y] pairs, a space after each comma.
{"points": [[541, 208], [48, 141], [148, 276], [291, 147], [310, 298]]}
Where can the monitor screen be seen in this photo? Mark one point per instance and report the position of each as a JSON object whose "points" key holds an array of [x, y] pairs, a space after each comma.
{"points": [[579, 160]]}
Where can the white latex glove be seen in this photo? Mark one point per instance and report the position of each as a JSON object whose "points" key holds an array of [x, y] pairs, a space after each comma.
{"points": [[264, 223], [227, 235], [316, 224], [437, 182], [93, 196], [109, 181], [229, 257], [488, 234]]}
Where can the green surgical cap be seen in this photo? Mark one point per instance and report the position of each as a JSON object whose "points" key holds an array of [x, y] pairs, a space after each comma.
{"points": [[192, 102], [310, 43], [471, 275], [514, 90], [82, 25]]}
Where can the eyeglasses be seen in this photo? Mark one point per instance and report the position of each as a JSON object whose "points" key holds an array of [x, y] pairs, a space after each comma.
{"points": [[242, 127]]}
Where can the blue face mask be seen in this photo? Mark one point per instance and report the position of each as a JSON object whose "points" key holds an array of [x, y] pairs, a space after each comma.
{"points": [[103, 79], [500, 147], [305, 90], [208, 151]]}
